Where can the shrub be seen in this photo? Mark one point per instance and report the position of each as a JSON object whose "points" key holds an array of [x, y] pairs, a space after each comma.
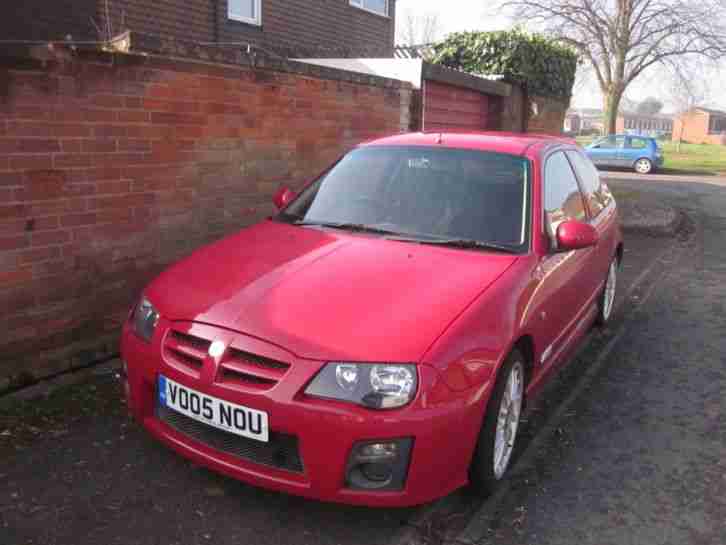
{"points": [[542, 66]]}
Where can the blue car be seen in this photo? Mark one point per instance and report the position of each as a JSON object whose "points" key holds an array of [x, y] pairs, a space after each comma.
{"points": [[641, 153]]}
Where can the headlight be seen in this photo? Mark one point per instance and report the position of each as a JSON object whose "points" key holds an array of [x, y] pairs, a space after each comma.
{"points": [[378, 386], [144, 319]]}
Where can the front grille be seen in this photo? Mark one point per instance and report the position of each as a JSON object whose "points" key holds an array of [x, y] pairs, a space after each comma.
{"points": [[281, 451], [186, 350], [250, 370]]}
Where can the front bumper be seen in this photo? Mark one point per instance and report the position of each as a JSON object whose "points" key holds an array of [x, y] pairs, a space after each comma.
{"points": [[443, 427]]}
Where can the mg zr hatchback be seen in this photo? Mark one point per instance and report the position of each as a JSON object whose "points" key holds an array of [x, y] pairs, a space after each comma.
{"points": [[375, 341]]}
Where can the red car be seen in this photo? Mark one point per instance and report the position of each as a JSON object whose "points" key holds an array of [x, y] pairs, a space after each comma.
{"points": [[375, 341]]}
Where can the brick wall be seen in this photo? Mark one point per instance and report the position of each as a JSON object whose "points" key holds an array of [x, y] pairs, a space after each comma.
{"points": [[548, 116], [110, 169], [693, 127]]}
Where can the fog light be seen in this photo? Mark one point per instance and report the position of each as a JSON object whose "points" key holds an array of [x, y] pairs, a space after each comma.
{"points": [[376, 472], [377, 451], [379, 465]]}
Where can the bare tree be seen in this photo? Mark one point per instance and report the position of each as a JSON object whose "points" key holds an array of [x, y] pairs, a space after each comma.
{"points": [[621, 39], [418, 29], [685, 93]]}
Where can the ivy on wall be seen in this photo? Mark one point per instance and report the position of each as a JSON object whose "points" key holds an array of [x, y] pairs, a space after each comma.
{"points": [[541, 65]]}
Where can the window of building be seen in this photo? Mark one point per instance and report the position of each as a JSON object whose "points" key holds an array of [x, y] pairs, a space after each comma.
{"points": [[563, 199], [245, 11], [717, 124], [379, 7]]}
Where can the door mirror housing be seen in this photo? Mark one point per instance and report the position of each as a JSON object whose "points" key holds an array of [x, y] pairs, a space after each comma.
{"points": [[283, 197], [574, 235]]}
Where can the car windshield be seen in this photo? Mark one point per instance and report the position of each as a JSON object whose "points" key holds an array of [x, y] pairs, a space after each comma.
{"points": [[465, 198]]}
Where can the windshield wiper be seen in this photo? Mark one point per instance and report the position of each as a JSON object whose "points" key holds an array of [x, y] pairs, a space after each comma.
{"points": [[355, 227], [464, 243]]}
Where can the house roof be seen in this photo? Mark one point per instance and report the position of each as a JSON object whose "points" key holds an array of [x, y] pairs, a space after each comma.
{"points": [[711, 111], [645, 116]]}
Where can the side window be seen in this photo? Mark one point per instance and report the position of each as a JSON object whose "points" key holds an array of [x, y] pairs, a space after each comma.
{"points": [[245, 11], [590, 180], [612, 142], [638, 143], [562, 199]]}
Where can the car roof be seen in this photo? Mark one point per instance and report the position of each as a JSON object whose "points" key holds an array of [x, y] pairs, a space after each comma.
{"points": [[623, 135], [502, 142]]}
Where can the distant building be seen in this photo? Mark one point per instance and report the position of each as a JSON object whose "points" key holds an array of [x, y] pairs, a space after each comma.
{"points": [[646, 125], [583, 120], [701, 126], [589, 120]]}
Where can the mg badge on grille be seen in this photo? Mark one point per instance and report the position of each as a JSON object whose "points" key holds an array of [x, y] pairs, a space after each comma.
{"points": [[216, 349]]}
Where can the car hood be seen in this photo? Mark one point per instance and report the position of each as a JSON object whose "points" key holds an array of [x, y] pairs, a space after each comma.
{"points": [[325, 294]]}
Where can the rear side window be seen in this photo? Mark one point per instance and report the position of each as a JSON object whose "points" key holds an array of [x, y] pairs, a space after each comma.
{"points": [[563, 200], [638, 143], [595, 195]]}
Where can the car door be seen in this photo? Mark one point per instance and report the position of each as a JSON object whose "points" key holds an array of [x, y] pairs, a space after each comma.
{"points": [[605, 152], [565, 288], [634, 148], [601, 213]]}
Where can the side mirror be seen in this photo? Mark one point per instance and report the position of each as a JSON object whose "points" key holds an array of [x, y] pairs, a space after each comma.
{"points": [[573, 235], [283, 196]]}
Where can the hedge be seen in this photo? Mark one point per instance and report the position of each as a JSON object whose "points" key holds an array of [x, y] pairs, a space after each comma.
{"points": [[541, 65]]}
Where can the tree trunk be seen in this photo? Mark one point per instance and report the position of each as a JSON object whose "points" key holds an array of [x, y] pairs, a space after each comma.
{"points": [[612, 105]]}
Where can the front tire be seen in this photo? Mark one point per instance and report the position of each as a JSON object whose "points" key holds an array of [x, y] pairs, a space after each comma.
{"points": [[606, 302], [643, 166], [498, 434]]}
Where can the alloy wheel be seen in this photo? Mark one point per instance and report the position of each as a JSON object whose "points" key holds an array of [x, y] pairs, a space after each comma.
{"points": [[510, 410], [609, 294], [643, 166]]}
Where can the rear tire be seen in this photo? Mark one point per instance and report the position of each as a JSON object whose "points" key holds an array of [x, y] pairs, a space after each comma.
{"points": [[498, 434], [606, 301], [643, 166]]}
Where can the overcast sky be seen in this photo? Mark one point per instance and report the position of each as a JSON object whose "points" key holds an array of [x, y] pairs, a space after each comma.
{"points": [[458, 15]]}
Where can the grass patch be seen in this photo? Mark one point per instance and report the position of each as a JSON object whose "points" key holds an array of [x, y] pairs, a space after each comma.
{"points": [[693, 158]]}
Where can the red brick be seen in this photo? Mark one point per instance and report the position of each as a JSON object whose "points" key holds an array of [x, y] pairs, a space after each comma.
{"points": [[32, 145], [35, 255], [22, 162], [45, 184], [71, 146], [93, 115], [99, 146], [13, 242], [110, 131], [46, 238], [72, 130], [13, 211], [134, 144], [120, 186], [133, 102], [11, 178], [74, 220], [107, 101], [70, 160], [15, 277], [31, 112], [7, 195], [131, 116], [166, 118]]}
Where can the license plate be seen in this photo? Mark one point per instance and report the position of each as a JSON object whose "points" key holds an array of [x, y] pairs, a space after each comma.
{"points": [[213, 411]]}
